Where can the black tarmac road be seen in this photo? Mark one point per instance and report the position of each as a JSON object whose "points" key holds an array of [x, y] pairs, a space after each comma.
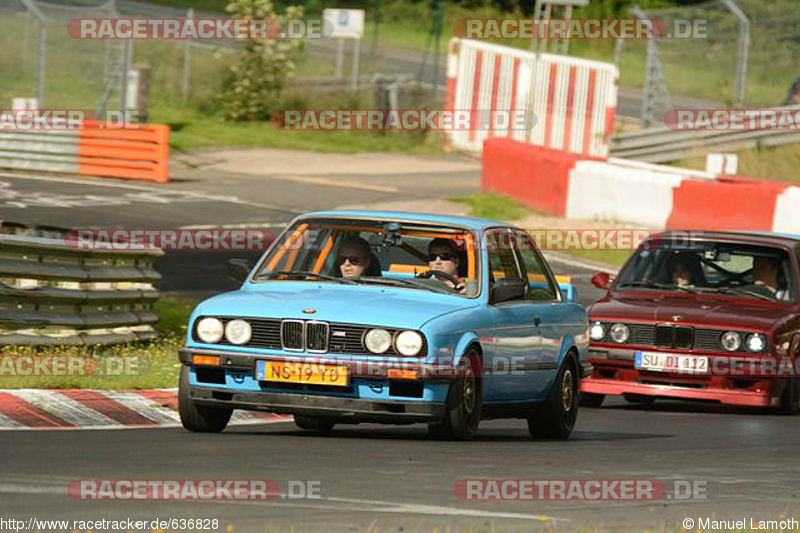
{"points": [[743, 463]]}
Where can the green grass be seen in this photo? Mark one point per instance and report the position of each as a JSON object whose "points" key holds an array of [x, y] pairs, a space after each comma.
{"points": [[494, 206], [192, 129], [779, 163], [140, 365]]}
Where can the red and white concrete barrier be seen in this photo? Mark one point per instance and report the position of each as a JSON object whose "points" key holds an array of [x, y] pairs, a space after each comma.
{"points": [[656, 196], [574, 100]]}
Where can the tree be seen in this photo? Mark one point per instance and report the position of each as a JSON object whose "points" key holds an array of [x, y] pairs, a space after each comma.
{"points": [[256, 80]]}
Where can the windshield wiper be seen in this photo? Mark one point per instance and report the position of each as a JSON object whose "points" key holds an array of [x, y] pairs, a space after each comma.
{"points": [[304, 273], [405, 282], [656, 285], [741, 290]]}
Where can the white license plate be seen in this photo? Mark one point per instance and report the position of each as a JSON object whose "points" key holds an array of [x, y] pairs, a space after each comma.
{"points": [[670, 362]]}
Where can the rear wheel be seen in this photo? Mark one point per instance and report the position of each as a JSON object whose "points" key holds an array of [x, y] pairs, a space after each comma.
{"points": [[199, 418], [313, 423], [556, 417], [589, 399], [790, 399], [464, 401]]}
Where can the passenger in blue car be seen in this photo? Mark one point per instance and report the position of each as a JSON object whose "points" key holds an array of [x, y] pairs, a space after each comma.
{"points": [[354, 257], [443, 257]]}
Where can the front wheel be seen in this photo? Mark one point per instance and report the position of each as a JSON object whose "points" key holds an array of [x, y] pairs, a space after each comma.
{"points": [[464, 401], [199, 418], [556, 417], [790, 399], [589, 399]]}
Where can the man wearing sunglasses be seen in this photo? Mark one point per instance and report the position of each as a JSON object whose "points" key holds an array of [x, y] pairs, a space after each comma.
{"points": [[444, 258], [354, 257]]}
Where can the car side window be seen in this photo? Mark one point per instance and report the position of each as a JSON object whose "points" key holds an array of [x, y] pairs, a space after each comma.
{"points": [[540, 283], [502, 259]]}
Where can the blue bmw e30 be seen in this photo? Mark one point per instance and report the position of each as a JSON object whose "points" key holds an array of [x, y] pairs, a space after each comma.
{"points": [[389, 317]]}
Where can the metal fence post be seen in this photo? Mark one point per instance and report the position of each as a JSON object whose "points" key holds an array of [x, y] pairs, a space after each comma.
{"points": [[187, 59], [356, 58], [744, 48], [126, 65], [40, 69]]}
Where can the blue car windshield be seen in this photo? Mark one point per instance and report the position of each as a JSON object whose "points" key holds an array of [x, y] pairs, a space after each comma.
{"points": [[413, 256], [733, 269]]}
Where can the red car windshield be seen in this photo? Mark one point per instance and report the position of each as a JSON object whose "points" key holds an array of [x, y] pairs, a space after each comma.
{"points": [[733, 269]]}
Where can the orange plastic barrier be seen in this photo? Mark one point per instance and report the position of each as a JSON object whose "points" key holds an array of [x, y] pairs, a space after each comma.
{"points": [[136, 153]]}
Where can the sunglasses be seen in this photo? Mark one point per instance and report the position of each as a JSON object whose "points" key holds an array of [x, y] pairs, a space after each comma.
{"points": [[444, 256], [354, 259]]}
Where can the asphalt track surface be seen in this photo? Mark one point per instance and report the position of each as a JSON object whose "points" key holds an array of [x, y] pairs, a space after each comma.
{"points": [[382, 478]]}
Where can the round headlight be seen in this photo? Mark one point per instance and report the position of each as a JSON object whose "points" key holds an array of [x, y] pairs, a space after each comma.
{"points": [[408, 343], [731, 341], [756, 342], [238, 331], [620, 333], [209, 330], [378, 340], [597, 331]]}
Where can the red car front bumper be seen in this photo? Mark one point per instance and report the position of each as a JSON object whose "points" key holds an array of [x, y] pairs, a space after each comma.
{"points": [[615, 374]]}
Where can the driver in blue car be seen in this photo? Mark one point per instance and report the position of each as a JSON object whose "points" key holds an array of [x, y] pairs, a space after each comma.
{"points": [[443, 257], [354, 257]]}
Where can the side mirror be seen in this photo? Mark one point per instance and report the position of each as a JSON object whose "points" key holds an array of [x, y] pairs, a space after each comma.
{"points": [[601, 280], [506, 289], [238, 269]]}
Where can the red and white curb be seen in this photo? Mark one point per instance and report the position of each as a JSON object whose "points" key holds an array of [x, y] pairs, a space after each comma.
{"points": [[100, 409]]}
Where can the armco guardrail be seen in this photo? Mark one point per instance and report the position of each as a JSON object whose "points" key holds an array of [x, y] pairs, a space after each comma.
{"points": [[140, 153], [52, 293], [664, 145]]}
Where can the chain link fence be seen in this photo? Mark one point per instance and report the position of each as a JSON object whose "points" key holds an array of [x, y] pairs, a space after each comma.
{"points": [[41, 60], [747, 57]]}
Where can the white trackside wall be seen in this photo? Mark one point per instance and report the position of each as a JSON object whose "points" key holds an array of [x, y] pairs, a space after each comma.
{"points": [[573, 100]]}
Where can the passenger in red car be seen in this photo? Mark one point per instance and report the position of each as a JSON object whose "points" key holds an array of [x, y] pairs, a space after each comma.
{"points": [[685, 269]]}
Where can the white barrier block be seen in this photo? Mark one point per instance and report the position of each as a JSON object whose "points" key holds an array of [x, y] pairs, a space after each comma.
{"points": [[601, 190], [787, 211]]}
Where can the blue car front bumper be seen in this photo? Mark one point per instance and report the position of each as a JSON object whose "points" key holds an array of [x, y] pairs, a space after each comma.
{"points": [[367, 398]]}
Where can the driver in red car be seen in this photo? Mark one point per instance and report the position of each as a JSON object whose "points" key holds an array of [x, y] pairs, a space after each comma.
{"points": [[443, 257]]}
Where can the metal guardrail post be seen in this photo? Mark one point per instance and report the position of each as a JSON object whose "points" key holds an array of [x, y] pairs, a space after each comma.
{"points": [[744, 49]]}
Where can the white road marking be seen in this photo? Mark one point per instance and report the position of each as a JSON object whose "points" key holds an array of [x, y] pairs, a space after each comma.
{"points": [[63, 407], [243, 225], [577, 263], [151, 189]]}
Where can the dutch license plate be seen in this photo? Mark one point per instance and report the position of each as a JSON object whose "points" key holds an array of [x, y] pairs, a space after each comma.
{"points": [[297, 372], [668, 362]]}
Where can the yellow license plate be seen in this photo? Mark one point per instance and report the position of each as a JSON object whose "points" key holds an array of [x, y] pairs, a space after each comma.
{"points": [[296, 372]]}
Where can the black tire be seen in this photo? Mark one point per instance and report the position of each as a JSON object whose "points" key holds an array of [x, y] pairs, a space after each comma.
{"points": [[199, 418], [555, 418], [790, 399], [589, 399], [464, 402], [639, 398], [314, 423]]}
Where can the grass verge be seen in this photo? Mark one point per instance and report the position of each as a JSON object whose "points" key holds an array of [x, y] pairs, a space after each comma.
{"points": [[138, 365]]}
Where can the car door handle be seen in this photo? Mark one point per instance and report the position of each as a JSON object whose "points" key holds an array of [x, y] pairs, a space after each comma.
{"points": [[537, 321]]}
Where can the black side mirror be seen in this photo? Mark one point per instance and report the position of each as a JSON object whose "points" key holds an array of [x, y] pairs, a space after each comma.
{"points": [[238, 269], [506, 289]]}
